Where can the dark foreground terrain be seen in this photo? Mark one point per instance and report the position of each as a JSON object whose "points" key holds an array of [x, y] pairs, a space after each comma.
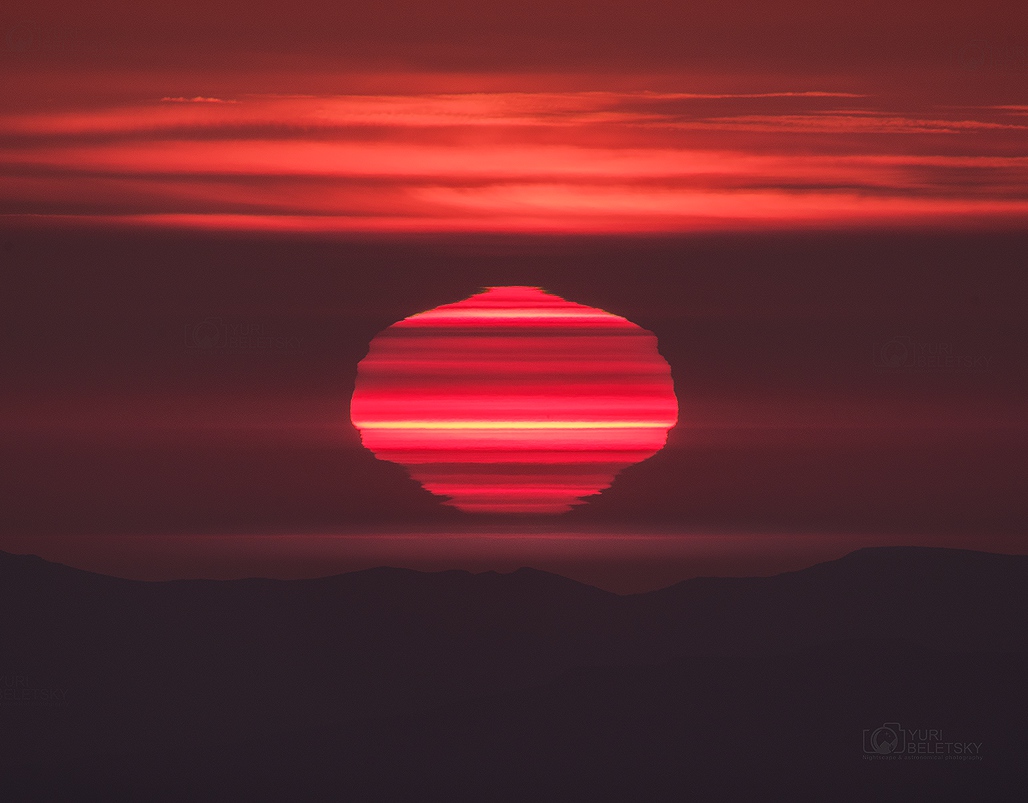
{"points": [[890, 674]]}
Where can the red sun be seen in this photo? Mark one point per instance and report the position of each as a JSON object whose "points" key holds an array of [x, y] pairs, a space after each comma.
{"points": [[514, 400]]}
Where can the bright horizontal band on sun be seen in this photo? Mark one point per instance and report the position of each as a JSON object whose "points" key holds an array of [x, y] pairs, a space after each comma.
{"points": [[514, 425], [514, 400], [508, 314]]}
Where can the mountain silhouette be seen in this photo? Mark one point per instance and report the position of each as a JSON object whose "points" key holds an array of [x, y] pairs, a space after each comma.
{"points": [[393, 684]]}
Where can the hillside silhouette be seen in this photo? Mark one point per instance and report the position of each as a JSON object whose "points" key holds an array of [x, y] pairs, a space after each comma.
{"points": [[392, 684]]}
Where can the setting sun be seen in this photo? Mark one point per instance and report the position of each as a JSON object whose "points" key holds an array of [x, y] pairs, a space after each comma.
{"points": [[514, 400]]}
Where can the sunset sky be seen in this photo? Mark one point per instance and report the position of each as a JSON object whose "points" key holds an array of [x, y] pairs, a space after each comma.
{"points": [[781, 193], [561, 117]]}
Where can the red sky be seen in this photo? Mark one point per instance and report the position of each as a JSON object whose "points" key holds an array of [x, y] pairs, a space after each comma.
{"points": [[721, 36], [846, 175], [558, 117]]}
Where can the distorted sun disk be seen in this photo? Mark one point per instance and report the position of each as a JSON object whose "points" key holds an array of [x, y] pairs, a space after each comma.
{"points": [[514, 400]]}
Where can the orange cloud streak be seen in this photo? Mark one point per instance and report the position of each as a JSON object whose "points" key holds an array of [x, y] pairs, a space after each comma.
{"points": [[514, 161]]}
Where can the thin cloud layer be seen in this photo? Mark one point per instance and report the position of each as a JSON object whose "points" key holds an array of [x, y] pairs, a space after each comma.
{"points": [[564, 161]]}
